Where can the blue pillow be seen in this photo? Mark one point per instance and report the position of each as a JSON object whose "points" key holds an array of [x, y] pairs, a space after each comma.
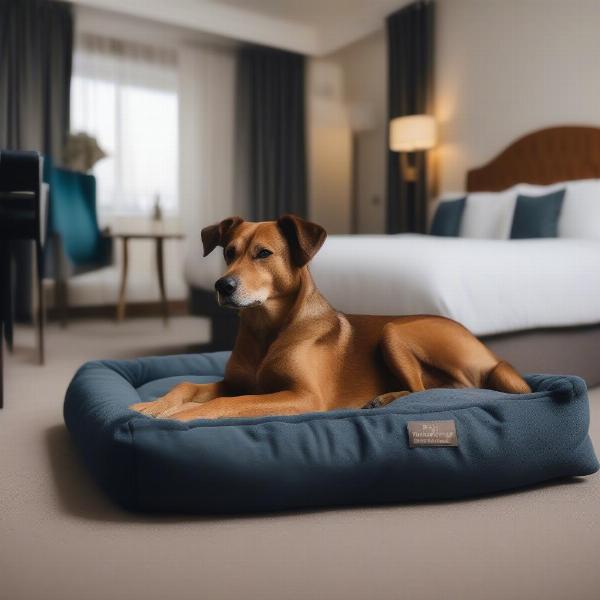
{"points": [[447, 218], [359, 457], [537, 216]]}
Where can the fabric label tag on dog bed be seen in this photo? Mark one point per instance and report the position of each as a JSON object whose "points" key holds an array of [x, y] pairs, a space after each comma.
{"points": [[431, 433]]}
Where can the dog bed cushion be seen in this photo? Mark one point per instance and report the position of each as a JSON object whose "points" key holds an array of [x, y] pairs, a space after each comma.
{"points": [[344, 457]]}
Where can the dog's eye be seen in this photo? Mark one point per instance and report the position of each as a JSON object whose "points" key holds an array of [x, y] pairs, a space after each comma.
{"points": [[264, 253], [229, 254]]}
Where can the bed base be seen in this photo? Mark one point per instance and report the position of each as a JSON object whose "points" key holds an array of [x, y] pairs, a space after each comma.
{"points": [[557, 350]]}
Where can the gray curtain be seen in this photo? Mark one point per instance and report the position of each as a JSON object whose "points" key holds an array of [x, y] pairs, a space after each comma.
{"points": [[36, 47], [410, 37], [270, 161]]}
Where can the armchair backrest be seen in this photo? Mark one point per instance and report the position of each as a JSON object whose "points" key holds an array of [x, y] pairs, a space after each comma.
{"points": [[73, 213]]}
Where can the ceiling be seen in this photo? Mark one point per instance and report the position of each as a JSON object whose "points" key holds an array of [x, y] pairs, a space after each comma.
{"points": [[316, 13], [313, 27]]}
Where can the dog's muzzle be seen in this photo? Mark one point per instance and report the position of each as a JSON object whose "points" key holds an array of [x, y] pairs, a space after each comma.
{"points": [[226, 286]]}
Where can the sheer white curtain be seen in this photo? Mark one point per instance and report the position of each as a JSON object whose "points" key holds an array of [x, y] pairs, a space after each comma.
{"points": [[126, 95], [206, 142]]}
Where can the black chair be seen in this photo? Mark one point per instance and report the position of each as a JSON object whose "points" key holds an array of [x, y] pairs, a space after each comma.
{"points": [[22, 217]]}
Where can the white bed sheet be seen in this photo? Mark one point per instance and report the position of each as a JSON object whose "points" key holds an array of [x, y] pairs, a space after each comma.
{"points": [[491, 286]]}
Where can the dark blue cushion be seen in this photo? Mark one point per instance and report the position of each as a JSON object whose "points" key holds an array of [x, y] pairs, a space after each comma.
{"points": [[537, 216], [320, 459], [447, 218], [72, 215]]}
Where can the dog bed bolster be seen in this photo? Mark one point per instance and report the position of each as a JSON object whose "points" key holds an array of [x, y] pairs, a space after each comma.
{"points": [[350, 457]]}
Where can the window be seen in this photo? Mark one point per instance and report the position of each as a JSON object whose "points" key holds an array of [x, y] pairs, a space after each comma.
{"points": [[126, 97]]}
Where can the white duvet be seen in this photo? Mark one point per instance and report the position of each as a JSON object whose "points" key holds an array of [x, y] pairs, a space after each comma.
{"points": [[491, 286]]}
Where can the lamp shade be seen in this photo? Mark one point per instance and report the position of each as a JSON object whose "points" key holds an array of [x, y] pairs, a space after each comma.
{"points": [[412, 133]]}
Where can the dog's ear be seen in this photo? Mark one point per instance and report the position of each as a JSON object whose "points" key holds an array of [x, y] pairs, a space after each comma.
{"points": [[303, 237], [214, 235]]}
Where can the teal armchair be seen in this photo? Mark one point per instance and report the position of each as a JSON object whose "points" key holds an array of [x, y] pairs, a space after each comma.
{"points": [[76, 244]]}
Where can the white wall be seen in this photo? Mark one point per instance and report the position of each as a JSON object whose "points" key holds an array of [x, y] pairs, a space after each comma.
{"points": [[354, 76], [508, 67], [364, 65], [328, 147]]}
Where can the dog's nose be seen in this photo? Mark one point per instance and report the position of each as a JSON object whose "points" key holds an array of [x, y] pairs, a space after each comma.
{"points": [[226, 285]]}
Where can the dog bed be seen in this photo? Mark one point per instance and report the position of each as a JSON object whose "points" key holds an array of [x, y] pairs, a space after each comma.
{"points": [[438, 444]]}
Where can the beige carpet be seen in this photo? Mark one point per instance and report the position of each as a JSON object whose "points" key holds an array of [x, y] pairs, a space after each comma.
{"points": [[60, 538]]}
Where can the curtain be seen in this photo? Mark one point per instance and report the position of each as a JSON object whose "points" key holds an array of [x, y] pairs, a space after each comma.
{"points": [[271, 161], [410, 36], [206, 143], [125, 95], [36, 44]]}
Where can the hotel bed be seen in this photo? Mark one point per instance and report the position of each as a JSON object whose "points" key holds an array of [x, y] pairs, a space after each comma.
{"points": [[534, 301]]}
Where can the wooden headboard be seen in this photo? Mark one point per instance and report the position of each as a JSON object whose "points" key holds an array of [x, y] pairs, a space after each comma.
{"points": [[542, 157]]}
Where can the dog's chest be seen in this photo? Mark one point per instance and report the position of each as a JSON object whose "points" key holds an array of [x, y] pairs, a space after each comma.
{"points": [[260, 378], [268, 373]]}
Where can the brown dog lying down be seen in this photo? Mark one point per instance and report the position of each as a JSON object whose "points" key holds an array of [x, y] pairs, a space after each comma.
{"points": [[294, 353]]}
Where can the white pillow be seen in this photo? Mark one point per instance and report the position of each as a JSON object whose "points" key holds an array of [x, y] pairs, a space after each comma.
{"points": [[488, 215], [580, 214]]}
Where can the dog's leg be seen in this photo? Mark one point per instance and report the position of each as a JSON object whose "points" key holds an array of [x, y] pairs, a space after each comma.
{"points": [[385, 399], [278, 403], [401, 359], [504, 378], [402, 363], [180, 395]]}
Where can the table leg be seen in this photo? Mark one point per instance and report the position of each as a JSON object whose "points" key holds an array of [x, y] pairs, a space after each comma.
{"points": [[160, 268], [123, 288]]}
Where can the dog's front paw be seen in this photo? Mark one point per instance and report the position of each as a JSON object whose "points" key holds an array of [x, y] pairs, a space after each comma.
{"points": [[385, 399], [151, 409]]}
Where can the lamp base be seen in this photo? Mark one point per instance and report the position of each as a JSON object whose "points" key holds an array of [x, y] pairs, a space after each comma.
{"points": [[409, 172]]}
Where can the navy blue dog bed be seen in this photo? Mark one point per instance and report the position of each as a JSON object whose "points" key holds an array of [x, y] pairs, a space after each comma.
{"points": [[502, 441]]}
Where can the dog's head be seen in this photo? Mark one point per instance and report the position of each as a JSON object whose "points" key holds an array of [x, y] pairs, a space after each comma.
{"points": [[264, 260]]}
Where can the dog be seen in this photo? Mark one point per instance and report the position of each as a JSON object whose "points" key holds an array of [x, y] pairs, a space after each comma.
{"points": [[294, 353]]}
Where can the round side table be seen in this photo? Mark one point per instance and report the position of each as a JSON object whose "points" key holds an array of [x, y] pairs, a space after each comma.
{"points": [[159, 239]]}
